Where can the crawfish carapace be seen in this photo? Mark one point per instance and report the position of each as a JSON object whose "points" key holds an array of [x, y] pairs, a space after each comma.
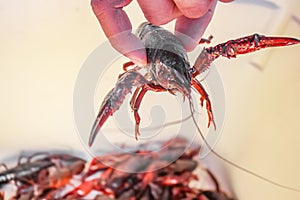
{"points": [[169, 70]]}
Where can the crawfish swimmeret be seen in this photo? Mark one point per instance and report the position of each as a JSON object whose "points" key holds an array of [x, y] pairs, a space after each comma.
{"points": [[73, 178], [169, 70]]}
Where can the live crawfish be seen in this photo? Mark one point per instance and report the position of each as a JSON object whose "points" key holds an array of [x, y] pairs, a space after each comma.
{"points": [[169, 182], [37, 177], [177, 168], [168, 69]]}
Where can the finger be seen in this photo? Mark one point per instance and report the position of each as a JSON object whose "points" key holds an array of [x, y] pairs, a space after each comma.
{"points": [[159, 12], [194, 8], [117, 28], [130, 46], [189, 31]]}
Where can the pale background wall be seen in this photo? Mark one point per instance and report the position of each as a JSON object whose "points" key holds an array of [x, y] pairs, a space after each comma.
{"points": [[44, 43]]}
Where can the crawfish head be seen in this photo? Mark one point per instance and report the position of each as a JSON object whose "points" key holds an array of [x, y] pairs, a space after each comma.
{"points": [[168, 64]]}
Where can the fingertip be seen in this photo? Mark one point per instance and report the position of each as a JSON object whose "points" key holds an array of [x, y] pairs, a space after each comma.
{"points": [[117, 27], [190, 46]]}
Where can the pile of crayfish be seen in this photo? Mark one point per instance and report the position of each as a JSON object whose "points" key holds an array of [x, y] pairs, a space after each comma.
{"points": [[170, 173]]}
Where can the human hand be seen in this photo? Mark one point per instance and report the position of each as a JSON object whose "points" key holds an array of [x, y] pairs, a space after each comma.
{"points": [[192, 18]]}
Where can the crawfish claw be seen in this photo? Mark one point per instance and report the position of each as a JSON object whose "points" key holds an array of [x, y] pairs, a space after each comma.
{"points": [[115, 98], [211, 120], [104, 113], [255, 42], [278, 41]]}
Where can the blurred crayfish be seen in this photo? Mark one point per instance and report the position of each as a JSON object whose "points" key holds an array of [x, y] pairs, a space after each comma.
{"points": [[167, 174], [42, 177]]}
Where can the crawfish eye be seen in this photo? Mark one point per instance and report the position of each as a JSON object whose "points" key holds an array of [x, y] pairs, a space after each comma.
{"points": [[191, 70]]}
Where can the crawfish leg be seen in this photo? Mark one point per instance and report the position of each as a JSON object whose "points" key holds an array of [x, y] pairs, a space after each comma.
{"points": [[136, 102], [115, 98], [206, 41], [204, 96], [127, 65], [134, 97]]}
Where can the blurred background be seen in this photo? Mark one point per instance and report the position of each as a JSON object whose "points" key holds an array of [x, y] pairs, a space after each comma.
{"points": [[44, 44]]}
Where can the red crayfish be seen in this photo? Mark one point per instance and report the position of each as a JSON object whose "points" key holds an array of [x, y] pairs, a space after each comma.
{"points": [[168, 69], [172, 173], [42, 177], [164, 175]]}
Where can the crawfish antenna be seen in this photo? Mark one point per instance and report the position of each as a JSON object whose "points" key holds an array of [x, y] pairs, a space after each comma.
{"points": [[192, 109]]}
